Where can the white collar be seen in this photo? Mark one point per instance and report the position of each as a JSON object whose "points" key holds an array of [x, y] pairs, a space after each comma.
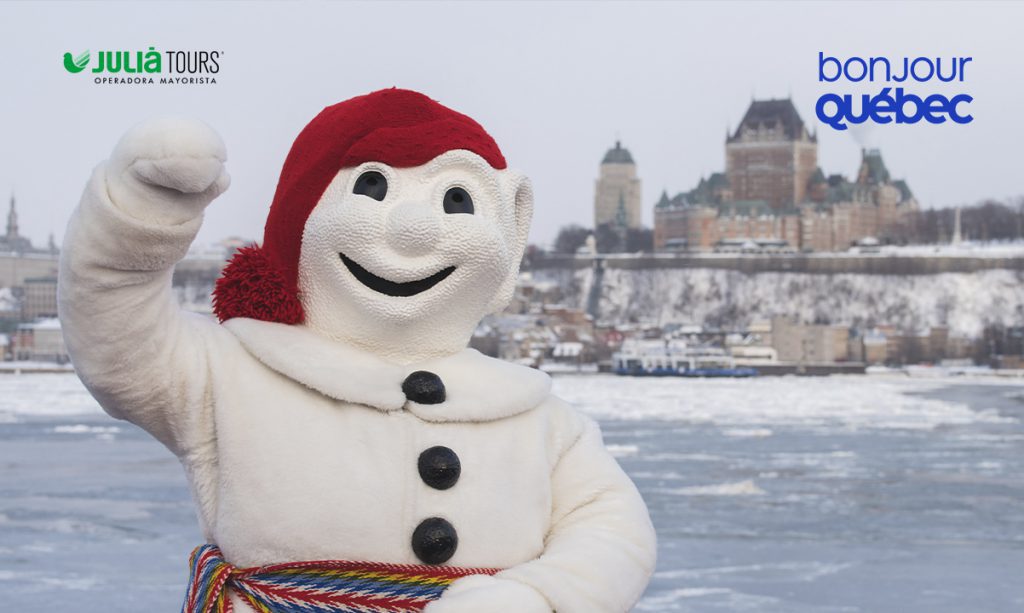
{"points": [[477, 387]]}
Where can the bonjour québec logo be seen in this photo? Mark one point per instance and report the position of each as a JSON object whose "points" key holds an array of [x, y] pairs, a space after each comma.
{"points": [[904, 97], [149, 67]]}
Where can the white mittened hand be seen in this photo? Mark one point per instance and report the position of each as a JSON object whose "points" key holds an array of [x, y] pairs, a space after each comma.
{"points": [[165, 171], [486, 594]]}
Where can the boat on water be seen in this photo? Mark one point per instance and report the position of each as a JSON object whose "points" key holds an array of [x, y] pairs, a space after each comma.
{"points": [[675, 358]]}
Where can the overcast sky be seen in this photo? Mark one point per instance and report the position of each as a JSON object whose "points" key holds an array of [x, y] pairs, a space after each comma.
{"points": [[555, 84]]}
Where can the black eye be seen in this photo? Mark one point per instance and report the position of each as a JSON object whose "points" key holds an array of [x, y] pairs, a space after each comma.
{"points": [[371, 183], [457, 200]]}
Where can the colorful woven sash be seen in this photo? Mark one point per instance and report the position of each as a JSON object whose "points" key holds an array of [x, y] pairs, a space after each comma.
{"points": [[317, 587]]}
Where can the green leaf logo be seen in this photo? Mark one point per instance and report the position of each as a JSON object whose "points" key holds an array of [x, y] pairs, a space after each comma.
{"points": [[76, 64]]}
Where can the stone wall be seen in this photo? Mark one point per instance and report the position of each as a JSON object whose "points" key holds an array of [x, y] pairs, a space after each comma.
{"points": [[868, 264]]}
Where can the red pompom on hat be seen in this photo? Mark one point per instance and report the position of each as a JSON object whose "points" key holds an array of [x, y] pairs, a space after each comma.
{"points": [[398, 127]]}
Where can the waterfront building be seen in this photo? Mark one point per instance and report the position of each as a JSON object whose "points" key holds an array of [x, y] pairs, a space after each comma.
{"points": [[809, 343], [39, 298], [40, 341]]}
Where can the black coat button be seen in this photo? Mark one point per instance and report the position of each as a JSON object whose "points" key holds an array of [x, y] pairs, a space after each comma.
{"points": [[424, 387], [439, 467], [434, 541]]}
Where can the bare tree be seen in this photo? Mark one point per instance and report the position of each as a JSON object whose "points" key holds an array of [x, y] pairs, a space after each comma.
{"points": [[570, 238]]}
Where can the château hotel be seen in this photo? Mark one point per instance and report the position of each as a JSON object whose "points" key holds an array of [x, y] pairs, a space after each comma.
{"points": [[774, 193]]}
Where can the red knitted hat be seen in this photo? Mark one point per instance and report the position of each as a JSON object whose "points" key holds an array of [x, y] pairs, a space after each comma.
{"points": [[397, 127]]}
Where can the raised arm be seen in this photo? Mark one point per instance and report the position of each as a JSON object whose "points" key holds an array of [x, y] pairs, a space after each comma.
{"points": [[143, 359], [599, 553]]}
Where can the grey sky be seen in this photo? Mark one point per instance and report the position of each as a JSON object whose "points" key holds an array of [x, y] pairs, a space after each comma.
{"points": [[553, 83]]}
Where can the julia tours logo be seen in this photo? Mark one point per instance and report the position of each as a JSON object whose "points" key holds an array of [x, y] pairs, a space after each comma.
{"points": [[149, 67], [900, 100]]}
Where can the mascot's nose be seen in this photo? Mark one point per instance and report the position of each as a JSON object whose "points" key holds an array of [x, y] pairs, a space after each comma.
{"points": [[413, 229]]}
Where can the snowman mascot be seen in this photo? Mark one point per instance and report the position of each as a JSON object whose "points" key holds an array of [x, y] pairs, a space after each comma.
{"points": [[344, 448]]}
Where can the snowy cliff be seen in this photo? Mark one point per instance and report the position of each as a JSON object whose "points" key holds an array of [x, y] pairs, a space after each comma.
{"points": [[965, 302]]}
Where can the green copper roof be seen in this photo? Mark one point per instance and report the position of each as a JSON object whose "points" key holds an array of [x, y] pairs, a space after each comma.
{"points": [[618, 155], [905, 192], [663, 201], [872, 168]]}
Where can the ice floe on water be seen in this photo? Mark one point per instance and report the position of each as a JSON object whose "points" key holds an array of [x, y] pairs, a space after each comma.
{"points": [[744, 408], [801, 495], [747, 432], [793, 570], [724, 599], [50, 394], [621, 451], [737, 488], [747, 407], [85, 429]]}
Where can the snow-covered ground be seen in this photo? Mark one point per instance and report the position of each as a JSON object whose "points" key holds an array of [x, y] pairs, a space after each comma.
{"points": [[965, 302], [871, 493], [847, 402], [27, 366]]}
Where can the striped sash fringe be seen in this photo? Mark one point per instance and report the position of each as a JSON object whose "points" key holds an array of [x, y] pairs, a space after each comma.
{"points": [[317, 587]]}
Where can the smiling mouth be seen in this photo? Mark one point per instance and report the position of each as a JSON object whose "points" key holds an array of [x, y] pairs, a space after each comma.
{"points": [[392, 288]]}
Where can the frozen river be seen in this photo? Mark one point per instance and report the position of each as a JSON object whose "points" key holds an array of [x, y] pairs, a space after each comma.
{"points": [[769, 495]]}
